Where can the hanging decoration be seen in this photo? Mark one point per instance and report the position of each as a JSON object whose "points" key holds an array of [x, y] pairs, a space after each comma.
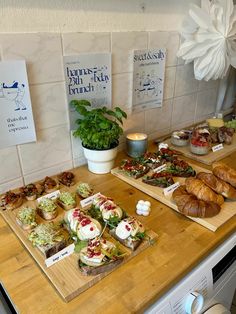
{"points": [[209, 34]]}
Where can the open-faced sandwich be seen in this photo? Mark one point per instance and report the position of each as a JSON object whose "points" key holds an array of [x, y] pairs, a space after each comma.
{"points": [[134, 168], [48, 238], [84, 190], [66, 178], [130, 232], [167, 154], [66, 200], [161, 179], [11, 200], [82, 226], [30, 191], [180, 168], [47, 208], [50, 185], [151, 159], [26, 218], [99, 256], [104, 209]]}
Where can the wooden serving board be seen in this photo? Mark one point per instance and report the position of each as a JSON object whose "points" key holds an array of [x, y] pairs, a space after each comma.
{"points": [[65, 274], [211, 156], [228, 209]]}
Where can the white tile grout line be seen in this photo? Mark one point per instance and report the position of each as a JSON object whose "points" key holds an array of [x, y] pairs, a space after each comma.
{"points": [[20, 162], [196, 105]]}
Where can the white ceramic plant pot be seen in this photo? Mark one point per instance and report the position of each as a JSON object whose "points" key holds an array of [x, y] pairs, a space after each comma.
{"points": [[100, 161]]}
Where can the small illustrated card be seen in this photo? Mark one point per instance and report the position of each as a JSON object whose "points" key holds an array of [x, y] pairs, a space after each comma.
{"points": [[88, 76], [148, 78], [17, 123]]}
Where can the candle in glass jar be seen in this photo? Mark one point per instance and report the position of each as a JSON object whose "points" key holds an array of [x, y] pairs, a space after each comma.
{"points": [[136, 144]]}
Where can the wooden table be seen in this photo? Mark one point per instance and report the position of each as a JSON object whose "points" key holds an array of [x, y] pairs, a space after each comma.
{"points": [[181, 245]]}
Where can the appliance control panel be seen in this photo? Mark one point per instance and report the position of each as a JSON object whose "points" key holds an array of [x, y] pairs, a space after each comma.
{"points": [[193, 301], [189, 298]]}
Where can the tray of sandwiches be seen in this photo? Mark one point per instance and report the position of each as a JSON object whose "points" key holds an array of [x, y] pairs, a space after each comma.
{"points": [[203, 143], [207, 197], [76, 236]]}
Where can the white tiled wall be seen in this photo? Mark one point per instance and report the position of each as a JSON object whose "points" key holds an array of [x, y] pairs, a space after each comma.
{"points": [[186, 100]]}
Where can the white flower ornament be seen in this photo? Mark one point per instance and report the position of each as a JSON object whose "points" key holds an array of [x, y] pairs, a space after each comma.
{"points": [[209, 36], [143, 208]]}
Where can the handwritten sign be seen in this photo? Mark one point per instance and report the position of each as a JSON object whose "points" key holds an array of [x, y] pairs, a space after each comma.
{"points": [[54, 195], [148, 78], [88, 76], [171, 188], [88, 201], [160, 169], [217, 147], [60, 255], [17, 123]]}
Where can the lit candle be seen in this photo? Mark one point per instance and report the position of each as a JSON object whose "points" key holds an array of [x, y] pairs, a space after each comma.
{"points": [[136, 144]]}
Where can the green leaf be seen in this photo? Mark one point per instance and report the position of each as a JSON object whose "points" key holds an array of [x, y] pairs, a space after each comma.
{"points": [[113, 221], [81, 102], [120, 112], [80, 245], [104, 125]]}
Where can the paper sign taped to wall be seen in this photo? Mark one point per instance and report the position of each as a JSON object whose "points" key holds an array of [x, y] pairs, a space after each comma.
{"points": [[148, 78], [17, 123], [88, 76]]}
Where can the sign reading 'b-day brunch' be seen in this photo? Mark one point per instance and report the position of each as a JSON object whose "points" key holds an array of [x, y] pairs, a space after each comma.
{"points": [[88, 76], [17, 123], [148, 78]]}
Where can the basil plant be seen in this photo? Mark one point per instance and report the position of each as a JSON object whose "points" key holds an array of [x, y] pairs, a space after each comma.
{"points": [[98, 128]]}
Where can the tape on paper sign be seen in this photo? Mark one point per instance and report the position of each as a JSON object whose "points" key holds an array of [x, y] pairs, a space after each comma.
{"points": [[88, 201], [217, 147], [171, 188], [60, 255]]}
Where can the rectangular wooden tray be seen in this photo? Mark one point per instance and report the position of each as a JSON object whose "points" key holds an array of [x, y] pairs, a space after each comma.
{"points": [[228, 209], [211, 156], [65, 275]]}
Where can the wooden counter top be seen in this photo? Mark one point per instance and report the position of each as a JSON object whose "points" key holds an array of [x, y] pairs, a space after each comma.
{"points": [[181, 245]]}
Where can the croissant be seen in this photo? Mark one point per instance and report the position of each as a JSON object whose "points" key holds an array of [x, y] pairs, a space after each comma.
{"points": [[189, 205], [225, 173], [202, 191], [217, 185]]}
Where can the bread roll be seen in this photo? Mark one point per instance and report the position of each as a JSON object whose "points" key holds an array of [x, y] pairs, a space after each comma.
{"points": [[225, 173], [217, 185], [24, 226], [189, 205], [202, 191], [47, 215]]}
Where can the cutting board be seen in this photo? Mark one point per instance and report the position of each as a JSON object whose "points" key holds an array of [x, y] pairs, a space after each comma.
{"points": [[228, 209], [211, 156], [65, 275]]}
